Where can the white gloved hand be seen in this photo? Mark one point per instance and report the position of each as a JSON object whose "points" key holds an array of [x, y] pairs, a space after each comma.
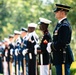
{"points": [[16, 52], [30, 55], [11, 51], [6, 53], [49, 47], [35, 47], [24, 51]]}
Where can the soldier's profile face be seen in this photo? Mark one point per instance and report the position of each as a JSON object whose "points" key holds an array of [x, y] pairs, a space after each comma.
{"points": [[43, 27], [31, 29], [23, 33], [58, 15]]}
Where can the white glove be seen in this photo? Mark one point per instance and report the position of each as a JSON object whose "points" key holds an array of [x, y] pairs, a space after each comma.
{"points": [[30, 55], [6, 53], [11, 51], [35, 47], [24, 52], [49, 47], [16, 52]]}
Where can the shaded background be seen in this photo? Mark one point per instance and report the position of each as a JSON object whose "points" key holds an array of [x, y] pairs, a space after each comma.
{"points": [[15, 14]]}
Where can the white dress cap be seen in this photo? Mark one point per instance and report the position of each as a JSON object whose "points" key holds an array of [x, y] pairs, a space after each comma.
{"points": [[6, 39], [32, 25], [17, 32], [46, 21]]}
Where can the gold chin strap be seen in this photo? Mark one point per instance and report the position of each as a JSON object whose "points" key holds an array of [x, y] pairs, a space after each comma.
{"points": [[63, 8]]}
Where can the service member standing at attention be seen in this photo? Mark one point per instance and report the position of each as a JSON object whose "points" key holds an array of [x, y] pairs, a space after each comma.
{"points": [[17, 51], [23, 47], [62, 53], [5, 56], [44, 56], [32, 40], [10, 55]]}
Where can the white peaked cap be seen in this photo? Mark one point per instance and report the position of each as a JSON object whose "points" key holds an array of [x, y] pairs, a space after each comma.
{"points": [[32, 25], [46, 21], [17, 32], [6, 39]]}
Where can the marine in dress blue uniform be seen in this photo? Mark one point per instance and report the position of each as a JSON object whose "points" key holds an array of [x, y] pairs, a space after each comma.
{"points": [[44, 56], [61, 40]]}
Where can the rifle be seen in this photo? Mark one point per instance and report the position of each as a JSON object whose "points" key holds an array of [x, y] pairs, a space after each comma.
{"points": [[11, 62], [5, 64], [24, 52], [11, 65], [16, 56], [17, 67], [24, 62]]}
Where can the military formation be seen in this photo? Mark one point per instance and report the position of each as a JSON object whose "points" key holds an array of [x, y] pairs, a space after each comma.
{"points": [[23, 53]]}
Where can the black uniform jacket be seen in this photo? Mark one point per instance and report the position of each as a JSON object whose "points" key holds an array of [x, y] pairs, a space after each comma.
{"points": [[61, 40], [46, 38]]}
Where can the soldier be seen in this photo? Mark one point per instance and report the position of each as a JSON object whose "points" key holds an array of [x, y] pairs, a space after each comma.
{"points": [[32, 40], [17, 56], [44, 56], [23, 47], [10, 54], [5, 56], [1, 51], [62, 53]]}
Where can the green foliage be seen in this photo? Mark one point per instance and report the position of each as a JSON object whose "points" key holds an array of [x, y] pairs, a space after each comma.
{"points": [[53, 70], [73, 71], [15, 14], [73, 68]]}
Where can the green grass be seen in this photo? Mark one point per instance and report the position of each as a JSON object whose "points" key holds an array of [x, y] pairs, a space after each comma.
{"points": [[53, 70], [73, 68]]}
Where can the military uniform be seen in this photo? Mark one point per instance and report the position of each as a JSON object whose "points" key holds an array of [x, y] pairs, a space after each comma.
{"points": [[46, 38], [62, 53], [44, 55], [5, 57], [23, 47], [10, 55], [17, 52], [32, 40], [25, 57], [59, 42]]}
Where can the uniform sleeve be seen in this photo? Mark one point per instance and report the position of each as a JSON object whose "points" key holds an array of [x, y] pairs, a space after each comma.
{"points": [[64, 37], [44, 43]]}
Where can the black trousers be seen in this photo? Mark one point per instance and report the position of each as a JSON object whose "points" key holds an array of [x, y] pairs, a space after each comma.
{"points": [[32, 65], [1, 66]]}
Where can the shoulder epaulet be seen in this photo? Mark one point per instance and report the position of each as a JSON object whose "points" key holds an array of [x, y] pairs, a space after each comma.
{"points": [[65, 23]]}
